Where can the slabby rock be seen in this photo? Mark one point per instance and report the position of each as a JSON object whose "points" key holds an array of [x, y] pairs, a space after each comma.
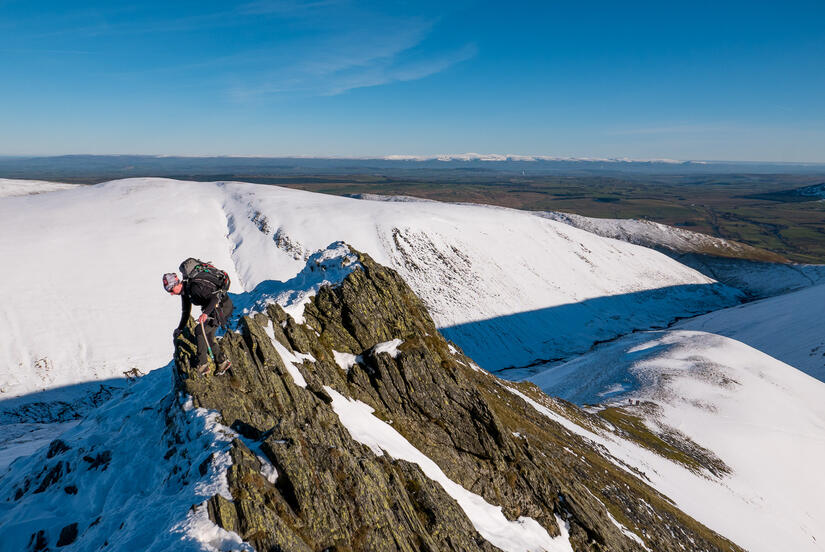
{"points": [[329, 492]]}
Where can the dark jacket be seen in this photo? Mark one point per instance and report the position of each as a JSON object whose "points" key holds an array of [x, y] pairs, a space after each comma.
{"points": [[202, 293]]}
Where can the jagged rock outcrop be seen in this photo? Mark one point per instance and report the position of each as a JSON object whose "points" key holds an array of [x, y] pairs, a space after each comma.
{"points": [[300, 482]]}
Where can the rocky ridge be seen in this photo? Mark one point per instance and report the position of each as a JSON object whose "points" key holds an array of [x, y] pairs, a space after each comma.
{"points": [[300, 482]]}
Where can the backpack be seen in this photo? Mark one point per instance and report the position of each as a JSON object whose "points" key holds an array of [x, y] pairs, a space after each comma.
{"points": [[195, 269]]}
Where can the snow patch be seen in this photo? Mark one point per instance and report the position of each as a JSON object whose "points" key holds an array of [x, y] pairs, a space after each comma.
{"points": [[268, 470], [199, 528], [389, 347], [327, 267], [345, 360], [291, 359], [614, 389], [625, 531]]}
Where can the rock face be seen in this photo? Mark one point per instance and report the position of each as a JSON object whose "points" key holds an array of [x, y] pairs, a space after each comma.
{"points": [[300, 482]]}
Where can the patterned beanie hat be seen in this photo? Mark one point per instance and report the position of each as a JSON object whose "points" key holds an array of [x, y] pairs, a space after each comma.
{"points": [[170, 280]]}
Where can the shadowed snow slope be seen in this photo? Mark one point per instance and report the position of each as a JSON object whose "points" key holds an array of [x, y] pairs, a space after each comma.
{"points": [[87, 264], [763, 418], [131, 476]]}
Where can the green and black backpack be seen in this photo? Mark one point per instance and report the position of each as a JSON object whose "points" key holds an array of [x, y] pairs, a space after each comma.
{"points": [[195, 269]]}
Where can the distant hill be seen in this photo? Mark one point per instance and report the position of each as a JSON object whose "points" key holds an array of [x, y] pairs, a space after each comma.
{"points": [[98, 168]]}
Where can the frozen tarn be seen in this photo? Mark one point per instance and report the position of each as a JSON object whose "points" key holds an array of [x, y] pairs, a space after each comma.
{"points": [[506, 286], [763, 418], [127, 475], [523, 535]]}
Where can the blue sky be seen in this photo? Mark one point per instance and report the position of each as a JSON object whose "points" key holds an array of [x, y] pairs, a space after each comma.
{"points": [[682, 80]]}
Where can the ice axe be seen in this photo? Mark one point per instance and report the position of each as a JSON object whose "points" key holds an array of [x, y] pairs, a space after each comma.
{"points": [[206, 340]]}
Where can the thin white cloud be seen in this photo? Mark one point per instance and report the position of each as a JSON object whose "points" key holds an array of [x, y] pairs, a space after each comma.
{"points": [[287, 7], [331, 46], [381, 50], [401, 72]]}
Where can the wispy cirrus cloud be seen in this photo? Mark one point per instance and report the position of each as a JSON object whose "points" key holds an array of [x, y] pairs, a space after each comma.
{"points": [[288, 7], [267, 47], [381, 50], [397, 71]]}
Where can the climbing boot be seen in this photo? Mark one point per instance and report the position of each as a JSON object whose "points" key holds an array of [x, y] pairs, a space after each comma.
{"points": [[223, 367]]}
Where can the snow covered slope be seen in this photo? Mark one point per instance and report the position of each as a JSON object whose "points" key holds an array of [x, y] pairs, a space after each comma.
{"points": [[758, 272], [763, 418], [788, 327], [134, 475], [11, 188], [509, 287], [654, 234], [711, 379]]}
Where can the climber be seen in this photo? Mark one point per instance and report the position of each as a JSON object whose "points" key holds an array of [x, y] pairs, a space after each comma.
{"points": [[205, 286]]}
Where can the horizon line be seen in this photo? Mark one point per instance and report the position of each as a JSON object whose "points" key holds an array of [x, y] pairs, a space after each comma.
{"points": [[466, 157]]}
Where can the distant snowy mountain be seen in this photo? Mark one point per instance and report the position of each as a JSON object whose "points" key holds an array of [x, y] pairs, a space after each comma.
{"points": [[509, 287], [499, 157], [764, 419]]}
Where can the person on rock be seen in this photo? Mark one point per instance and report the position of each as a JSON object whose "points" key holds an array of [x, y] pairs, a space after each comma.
{"points": [[206, 286]]}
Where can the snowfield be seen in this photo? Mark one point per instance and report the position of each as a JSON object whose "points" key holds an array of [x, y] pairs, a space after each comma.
{"points": [[763, 418], [12, 188], [788, 327], [84, 301], [724, 260], [654, 234]]}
